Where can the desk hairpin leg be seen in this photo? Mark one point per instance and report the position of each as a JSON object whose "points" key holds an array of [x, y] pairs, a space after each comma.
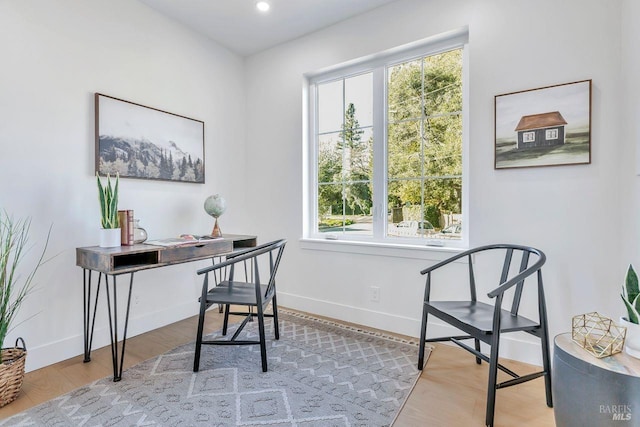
{"points": [[113, 325], [117, 357], [89, 319]]}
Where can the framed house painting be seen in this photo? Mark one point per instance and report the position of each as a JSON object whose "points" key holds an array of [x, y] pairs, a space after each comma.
{"points": [[135, 141], [548, 126]]}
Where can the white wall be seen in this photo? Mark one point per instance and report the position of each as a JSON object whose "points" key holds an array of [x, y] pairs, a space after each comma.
{"points": [[55, 55], [571, 212], [629, 182]]}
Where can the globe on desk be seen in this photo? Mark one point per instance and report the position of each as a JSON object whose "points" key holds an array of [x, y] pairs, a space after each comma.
{"points": [[215, 206]]}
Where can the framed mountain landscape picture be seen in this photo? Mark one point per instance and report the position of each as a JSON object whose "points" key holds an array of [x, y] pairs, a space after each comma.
{"points": [[136, 141], [548, 126]]}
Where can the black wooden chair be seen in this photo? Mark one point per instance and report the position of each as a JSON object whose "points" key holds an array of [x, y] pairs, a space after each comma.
{"points": [[249, 293], [484, 322]]}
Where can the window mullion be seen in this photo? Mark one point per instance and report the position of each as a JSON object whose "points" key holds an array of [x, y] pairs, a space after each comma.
{"points": [[423, 140], [312, 165], [343, 152], [379, 152]]}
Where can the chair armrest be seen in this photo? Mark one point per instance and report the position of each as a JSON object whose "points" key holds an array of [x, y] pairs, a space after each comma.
{"points": [[239, 252], [452, 259], [474, 250], [244, 255]]}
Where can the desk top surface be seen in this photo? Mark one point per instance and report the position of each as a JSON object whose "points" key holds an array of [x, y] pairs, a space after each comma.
{"points": [[621, 363], [240, 240], [128, 259]]}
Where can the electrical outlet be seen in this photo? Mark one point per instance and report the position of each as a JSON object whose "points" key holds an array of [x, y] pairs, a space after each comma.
{"points": [[136, 300], [374, 293]]}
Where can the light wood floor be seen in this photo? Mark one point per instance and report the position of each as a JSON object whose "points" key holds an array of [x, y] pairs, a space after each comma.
{"points": [[450, 392]]}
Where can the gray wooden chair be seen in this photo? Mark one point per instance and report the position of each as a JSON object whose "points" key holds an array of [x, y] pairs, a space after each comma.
{"points": [[249, 293], [486, 323]]}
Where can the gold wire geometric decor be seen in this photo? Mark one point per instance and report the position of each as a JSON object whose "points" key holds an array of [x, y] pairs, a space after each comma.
{"points": [[597, 334]]}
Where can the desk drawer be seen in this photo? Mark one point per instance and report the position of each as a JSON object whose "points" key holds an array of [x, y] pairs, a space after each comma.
{"points": [[192, 253]]}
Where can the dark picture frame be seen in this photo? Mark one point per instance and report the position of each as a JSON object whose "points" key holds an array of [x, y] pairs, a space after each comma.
{"points": [[547, 126], [136, 141]]}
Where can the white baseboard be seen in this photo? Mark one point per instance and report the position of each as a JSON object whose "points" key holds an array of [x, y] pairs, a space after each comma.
{"points": [[58, 351], [510, 347]]}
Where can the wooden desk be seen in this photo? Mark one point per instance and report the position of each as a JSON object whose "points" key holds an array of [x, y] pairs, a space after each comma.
{"points": [[112, 262], [588, 391]]}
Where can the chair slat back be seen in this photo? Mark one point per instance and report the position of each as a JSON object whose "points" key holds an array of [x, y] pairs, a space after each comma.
{"points": [[228, 272], [506, 265], [274, 263], [232, 270], [256, 272], [250, 255], [524, 262], [472, 280], [274, 250]]}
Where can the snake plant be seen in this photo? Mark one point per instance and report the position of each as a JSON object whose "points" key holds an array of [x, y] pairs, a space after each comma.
{"points": [[108, 195], [631, 296]]}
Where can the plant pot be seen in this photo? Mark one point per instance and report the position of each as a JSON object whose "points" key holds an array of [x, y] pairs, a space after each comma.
{"points": [[632, 341], [12, 372], [110, 237]]}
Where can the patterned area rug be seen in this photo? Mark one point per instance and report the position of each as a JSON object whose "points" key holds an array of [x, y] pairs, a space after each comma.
{"points": [[321, 374]]}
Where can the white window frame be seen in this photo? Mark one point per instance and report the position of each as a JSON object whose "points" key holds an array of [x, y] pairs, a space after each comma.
{"points": [[529, 136], [551, 134], [378, 64]]}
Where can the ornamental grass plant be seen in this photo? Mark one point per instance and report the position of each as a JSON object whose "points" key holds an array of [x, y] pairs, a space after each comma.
{"points": [[14, 285]]}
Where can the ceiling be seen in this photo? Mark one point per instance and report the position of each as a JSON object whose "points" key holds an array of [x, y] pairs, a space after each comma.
{"points": [[239, 26]]}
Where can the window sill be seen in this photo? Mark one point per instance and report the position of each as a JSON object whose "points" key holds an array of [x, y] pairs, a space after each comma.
{"points": [[398, 250]]}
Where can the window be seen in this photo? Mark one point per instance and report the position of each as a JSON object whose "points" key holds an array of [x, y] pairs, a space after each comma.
{"points": [[386, 146], [551, 134], [345, 155], [528, 137]]}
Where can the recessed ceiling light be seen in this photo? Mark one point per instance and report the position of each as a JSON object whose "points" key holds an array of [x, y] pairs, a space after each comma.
{"points": [[263, 6]]}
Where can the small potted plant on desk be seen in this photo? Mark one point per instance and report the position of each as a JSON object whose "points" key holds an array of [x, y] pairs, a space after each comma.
{"points": [[108, 195], [631, 297], [14, 288]]}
